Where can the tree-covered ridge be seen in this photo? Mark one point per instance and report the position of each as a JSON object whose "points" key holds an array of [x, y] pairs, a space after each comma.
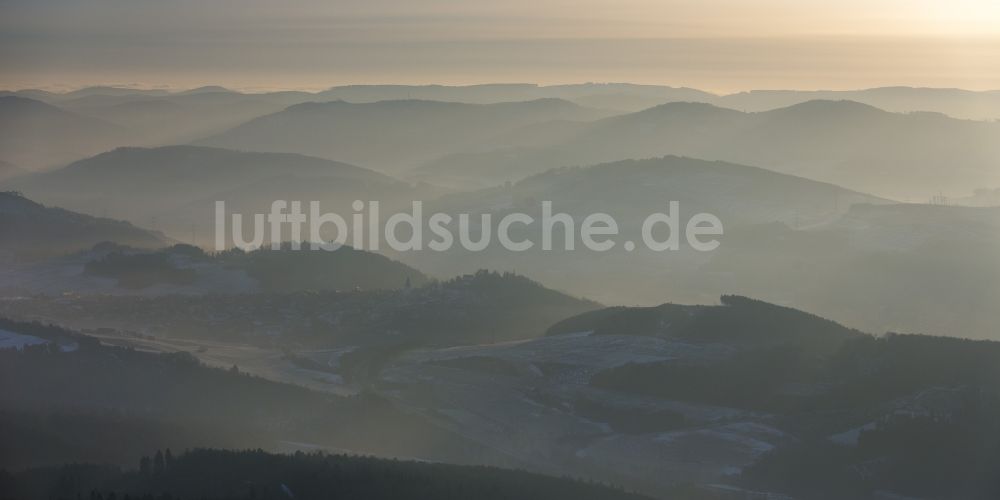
{"points": [[481, 307], [864, 371], [911, 414], [915, 456], [738, 319], [288, 269], [177, 397], [30, 230], [238, 475], [284, 269], [509, 288], [140, 270]]}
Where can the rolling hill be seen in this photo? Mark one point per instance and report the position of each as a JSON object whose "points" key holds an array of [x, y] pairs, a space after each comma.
{"points": [[906, 268], [8, 170], [391, 135], [120, 393], [175, 188], [29, 230], [351, 299], [632, 189], [914, 155], [256, 474], [37, 135], [182, 117], [732, 394], [873, 264], [957, 103]]}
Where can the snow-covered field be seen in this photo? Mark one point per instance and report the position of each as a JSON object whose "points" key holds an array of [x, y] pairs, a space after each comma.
{"points": [[66, 275], [520, 399], [260, 361], [10, 340]]}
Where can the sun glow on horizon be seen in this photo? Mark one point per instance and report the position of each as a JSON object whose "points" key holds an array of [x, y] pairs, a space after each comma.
{"points": [[717, 45]]}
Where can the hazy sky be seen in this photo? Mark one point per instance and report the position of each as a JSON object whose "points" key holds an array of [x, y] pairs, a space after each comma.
{"points": [[720, 45]]}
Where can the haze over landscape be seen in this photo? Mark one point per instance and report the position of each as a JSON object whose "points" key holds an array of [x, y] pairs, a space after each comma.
{"points": [[721, 45], [798, 299]]}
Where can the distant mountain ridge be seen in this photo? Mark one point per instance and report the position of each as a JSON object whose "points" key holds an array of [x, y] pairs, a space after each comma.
{"points": [[958, 103], [742, 197], [391, 135], [906, 268], [178, 118], [851, 144], [870, 262], [176, 187], [36, 135], [8, 170], [631, 189], [626, 97]]}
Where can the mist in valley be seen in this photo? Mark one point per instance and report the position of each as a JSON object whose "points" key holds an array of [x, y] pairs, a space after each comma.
{"points": [[714, 288]]}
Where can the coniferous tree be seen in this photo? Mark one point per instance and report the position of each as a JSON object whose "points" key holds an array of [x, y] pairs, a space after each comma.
{"points": [[158, 463]]}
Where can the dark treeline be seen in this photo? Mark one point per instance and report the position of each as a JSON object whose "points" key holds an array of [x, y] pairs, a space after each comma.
{"points": [[925, 411], [865, 371], [485, 306], [51, 393], [738, 319], [344, 269], [276, 270], [33, 439], [938, 457], [255, 475], [140, 270]]}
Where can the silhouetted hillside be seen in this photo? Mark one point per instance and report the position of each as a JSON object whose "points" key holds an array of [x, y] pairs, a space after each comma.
{"points": [[888, 406], [958, 103], [288, 270], [633, 189], [217, 475], [175, 188], [734, 394], [30, 230], [847, 143], [181, 117], [8, 170], [34, 134], [391, 135], [868, 413], [108, 90], [738, 319], [834, 367], [178, 399], [911, 268], [630, 191], [183, 269], [481, 307]]}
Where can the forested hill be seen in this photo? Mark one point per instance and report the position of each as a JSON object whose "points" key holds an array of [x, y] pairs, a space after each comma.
{"points": [[31, 230], [736, 319], [213, 474], [64, 397]]}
